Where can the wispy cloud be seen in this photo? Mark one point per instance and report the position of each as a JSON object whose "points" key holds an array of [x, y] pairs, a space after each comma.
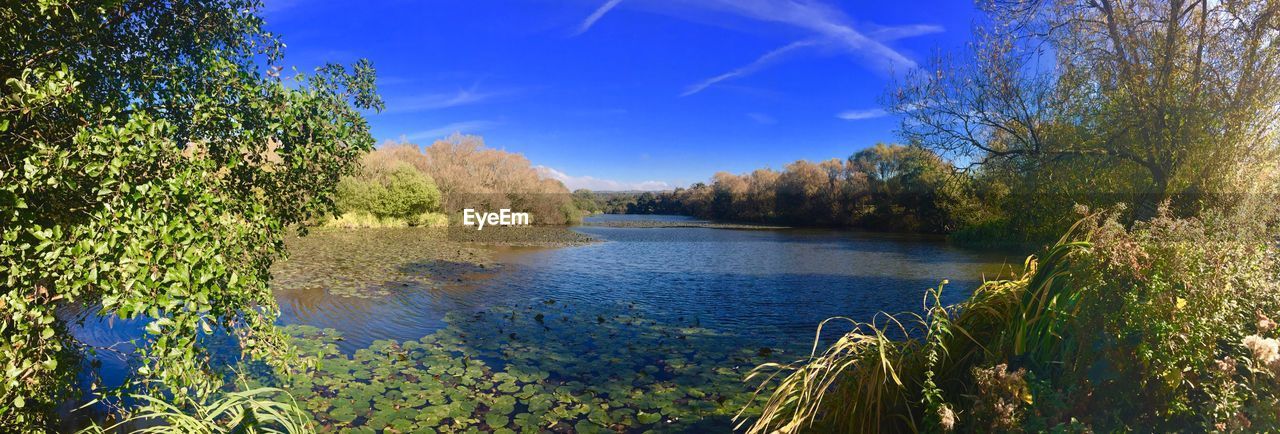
{"points": [[750, 68], [446, 130], [829, 27], [893, 33], [826, 21], [436, 101], [857, 115], [762, 118], [597, 184], [595, 16]]}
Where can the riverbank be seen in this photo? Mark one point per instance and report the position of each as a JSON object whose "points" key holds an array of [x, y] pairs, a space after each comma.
{"points": [[682, 224]]}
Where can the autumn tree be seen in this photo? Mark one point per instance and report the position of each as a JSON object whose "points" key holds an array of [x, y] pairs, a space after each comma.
{"points": [[470, 175], [1175, 99]]}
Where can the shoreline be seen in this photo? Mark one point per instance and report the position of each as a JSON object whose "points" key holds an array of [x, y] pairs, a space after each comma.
{"points": [[648, 224]]}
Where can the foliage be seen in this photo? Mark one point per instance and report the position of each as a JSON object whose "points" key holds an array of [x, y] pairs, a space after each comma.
{"points": [[1176, 311], [153, 158], [472, 176], [403, 180], [401, 193], [886, 187], [248, 412], [1102, 102], [587, 202], [531, 368], [364, 220]]}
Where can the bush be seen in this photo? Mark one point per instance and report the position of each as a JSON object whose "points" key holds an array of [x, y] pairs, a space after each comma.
{"points": [[1175, 312], [402, 193], [153, 159]]}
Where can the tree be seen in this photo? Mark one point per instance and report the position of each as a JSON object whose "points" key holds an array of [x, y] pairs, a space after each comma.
{"points": [[151, 160], [390, 183], [1177, 97], [798, 192], [472, 176]]}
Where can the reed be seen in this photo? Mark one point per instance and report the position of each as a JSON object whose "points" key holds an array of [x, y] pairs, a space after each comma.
{"points": [[249, 412], [907, 372]]}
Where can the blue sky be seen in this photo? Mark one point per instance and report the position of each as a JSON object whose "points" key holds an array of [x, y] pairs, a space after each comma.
{"points": [[632, 94]]}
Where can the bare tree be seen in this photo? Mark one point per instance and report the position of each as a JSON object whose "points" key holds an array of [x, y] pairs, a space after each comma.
{"points": [[1183, 93]]}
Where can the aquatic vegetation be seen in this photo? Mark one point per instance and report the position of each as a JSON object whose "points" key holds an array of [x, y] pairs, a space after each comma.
{"points": [[538, 368], [388, 260], [522, 236], [377, 262], [681, 224]]}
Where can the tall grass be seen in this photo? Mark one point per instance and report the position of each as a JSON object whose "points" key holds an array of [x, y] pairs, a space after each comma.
{"points": [[361, 220], [867, 381], [1153, 327], [248, 412]]}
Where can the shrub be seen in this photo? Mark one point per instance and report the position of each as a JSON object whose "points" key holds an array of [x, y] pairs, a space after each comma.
{"points": [[1174, 312], [153, 159], [401, 193]]}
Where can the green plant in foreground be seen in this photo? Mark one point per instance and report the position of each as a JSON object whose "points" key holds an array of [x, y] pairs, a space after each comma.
{"points": [[1173, 311], [249, 412], [153, 159]]}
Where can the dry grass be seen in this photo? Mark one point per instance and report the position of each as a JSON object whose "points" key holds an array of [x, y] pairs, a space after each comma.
{"points": [[874, 380]]}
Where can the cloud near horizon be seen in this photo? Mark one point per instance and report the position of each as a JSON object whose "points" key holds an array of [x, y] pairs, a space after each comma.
{"points": [[464, 127], [597, 184]]}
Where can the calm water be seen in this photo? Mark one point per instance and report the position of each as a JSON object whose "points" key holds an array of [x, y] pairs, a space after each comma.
{"points": [[648, 322], [765, 287]]}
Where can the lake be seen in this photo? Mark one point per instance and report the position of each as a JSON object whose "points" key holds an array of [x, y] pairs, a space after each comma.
{"points": [[651, 328], [769, 287]]}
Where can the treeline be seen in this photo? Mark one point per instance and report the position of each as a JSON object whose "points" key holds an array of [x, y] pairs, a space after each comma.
{"points": [[1157, 315], [402, 184], [885, 187]]}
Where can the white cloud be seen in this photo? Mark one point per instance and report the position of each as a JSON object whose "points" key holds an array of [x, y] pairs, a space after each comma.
{"points": [[446, 130], [886, 34], [436, 101], [828, 26], [597, 184], [857, 115], [595, 16], [762, 118], [750, 68], [832, 25]]}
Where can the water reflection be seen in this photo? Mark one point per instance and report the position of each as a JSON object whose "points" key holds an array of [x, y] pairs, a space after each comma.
{"points": [[766, 287]]}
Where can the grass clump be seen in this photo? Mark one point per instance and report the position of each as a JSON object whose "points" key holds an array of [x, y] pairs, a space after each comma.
{"points": [[431, 220], [1163, 326], [259, 410], [362, 220]]}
